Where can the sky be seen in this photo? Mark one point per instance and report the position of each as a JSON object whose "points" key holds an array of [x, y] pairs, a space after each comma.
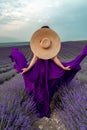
{"points": [[20, 19]]}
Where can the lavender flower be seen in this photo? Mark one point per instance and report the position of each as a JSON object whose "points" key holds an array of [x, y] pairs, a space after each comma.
{"points": [[20, 115], [72, 107]]}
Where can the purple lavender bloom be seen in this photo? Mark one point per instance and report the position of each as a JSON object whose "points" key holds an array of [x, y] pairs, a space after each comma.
{"points": [[20, 115], [72, 107]]}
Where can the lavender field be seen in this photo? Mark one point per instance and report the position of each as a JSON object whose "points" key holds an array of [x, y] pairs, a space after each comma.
{"points": [[69, 104]]}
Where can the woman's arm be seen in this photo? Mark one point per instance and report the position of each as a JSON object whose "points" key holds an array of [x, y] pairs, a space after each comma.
{"points": [[57, 61], [33, 61]]}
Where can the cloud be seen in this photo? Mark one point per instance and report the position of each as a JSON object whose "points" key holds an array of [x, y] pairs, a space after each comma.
{"points": [[17, 16], [14, 15], [25, 10]]}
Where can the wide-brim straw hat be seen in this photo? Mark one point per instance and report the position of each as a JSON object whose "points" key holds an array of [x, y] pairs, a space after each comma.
{"points": [[45, 43]]}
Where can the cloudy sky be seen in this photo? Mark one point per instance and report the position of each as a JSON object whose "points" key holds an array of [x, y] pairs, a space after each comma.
{"points": [[19, 19]]}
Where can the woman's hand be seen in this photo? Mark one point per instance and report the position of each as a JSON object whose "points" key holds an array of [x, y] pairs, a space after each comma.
{"points": [[67, 68], [24, 70]]}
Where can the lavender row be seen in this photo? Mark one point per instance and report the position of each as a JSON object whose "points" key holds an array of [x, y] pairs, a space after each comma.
{"points": [[7, 75], [71, 104], [20, 115]]}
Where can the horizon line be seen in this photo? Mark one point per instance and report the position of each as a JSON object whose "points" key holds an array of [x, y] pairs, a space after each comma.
{"points": [[29, 41]]}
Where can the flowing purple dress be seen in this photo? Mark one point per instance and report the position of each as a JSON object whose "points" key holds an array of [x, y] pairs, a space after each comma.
{"points": [[44, 78]]}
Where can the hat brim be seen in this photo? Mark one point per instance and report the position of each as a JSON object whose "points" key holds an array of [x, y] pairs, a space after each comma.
{"points": [[43, 53]]}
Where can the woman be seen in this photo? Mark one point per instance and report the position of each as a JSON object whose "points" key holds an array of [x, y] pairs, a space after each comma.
{"points": [[45, 73]]}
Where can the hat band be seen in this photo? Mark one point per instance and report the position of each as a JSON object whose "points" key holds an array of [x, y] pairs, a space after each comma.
{"points": [[45, 43]]}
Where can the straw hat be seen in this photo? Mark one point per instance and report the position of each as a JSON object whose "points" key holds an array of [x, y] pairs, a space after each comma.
{"points": [[45, 43]]}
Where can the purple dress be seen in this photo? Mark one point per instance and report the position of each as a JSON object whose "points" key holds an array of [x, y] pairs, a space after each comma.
{"points": [[44, 78]]}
